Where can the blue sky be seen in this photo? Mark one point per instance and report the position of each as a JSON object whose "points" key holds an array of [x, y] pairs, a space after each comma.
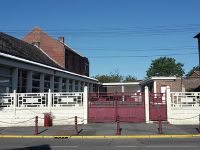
{"points": [[123, 35]]}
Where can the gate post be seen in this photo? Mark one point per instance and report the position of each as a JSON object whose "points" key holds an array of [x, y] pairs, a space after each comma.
{"points": [[146, 92], [85, 105], [168, 101], [49, 100], [15, 101], [116, 106]]}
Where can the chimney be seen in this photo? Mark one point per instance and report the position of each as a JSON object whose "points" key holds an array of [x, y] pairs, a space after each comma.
{"points": [[37, 44], [61, 39]]}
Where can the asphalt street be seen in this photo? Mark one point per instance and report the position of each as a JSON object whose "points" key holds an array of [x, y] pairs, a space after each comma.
{"points": [[97, 144]]}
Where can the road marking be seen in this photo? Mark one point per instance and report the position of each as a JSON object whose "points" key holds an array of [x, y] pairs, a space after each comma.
{"points": [[172, 146], [161, 146], [64, 146], [126, 146]]}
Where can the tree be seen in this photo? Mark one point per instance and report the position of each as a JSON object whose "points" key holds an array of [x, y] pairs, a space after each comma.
{"points": [[165, 66], [129, 78], [112, 77], [191, 71]]}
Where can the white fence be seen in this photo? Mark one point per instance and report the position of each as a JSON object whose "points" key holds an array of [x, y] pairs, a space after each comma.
{"points": [[19, 109], [183, 107]]}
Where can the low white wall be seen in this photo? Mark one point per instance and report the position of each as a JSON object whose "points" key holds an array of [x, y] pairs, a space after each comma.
{"points": [[184, 116], [20, 109], [26, 116], [183, 108]]}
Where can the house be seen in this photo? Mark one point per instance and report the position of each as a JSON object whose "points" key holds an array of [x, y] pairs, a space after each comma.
{"points": [[27, 67], [192, 83], [61, 53], [159, 84], [121, 87]]}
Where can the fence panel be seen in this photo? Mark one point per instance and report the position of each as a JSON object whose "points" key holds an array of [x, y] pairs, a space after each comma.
{"points": [[185, 99], [6, 100], [32, 99], [157, 106], [67, 99]]}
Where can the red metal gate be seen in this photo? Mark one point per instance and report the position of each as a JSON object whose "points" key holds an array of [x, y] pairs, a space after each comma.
{"points": [[157, 106], [105, 107]]}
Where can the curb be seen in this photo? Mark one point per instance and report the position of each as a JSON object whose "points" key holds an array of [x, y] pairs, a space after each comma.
{"points": [[103, 136]]}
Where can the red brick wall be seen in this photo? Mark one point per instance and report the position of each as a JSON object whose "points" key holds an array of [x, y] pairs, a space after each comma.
{"points": [[50, 46], [56, 51], [175, 85]]}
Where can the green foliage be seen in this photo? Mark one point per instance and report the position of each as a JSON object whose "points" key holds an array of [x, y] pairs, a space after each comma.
{"points": [[129, 78], [165, 66], [114, 77], [191, 71]]}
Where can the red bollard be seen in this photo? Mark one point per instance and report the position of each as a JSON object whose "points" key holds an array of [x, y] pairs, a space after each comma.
{"points": [[118, 129], [76, 125], [198, 129], [36, 125], [160, 131]]}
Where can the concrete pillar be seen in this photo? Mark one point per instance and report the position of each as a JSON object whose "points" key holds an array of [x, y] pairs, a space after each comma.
{"points": [[14, 101], [90, 87], [154, 87], [67, 85], [146, 91], [79, 86], [73, 85], [168, 101], [60, 84], [29, 82], [49, 100], [42, 82], [52, 83], [122, 92], [14, 78], [85, 105]]}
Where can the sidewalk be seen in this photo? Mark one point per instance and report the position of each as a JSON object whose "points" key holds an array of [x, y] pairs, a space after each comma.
{"points": [[102, 129]]}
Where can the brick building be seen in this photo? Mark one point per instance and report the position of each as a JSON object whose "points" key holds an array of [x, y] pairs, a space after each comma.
{"points": [[58, 51], [28, 68], [159, 84]]}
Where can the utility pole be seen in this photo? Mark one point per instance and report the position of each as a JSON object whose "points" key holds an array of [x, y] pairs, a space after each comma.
{"points": [[198, 38]]}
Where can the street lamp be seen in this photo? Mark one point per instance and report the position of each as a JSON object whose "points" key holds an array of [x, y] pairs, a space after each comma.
{"points": [[198, 38]]}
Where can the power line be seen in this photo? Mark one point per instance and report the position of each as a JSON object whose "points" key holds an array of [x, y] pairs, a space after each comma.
{"points": [[140, 56], [117, 32]]}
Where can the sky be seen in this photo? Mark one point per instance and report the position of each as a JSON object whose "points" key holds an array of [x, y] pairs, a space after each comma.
{"points": [[116, 35]]}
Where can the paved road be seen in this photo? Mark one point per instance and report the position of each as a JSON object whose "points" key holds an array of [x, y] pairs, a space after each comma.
{"points": [[99, 144]]}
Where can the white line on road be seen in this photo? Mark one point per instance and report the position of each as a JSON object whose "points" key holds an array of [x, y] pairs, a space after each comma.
{"points": [[162, 146], [171, 146]]}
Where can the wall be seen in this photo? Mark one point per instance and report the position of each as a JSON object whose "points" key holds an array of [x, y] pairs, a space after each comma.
{"points": [[20, 109], [174, 85], [183, 108], [60, 53]]}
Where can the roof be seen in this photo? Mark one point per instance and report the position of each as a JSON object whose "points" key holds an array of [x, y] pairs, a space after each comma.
{"points": [[121, 83], [39, 34], [15, 47], [195, 74], [43, 65], [197, 36], [158, 78]]}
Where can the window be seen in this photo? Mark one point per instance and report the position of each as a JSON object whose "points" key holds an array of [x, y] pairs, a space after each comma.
{"points": [[22, 79], [70, 85], [36, 82], [5, 79], [56, 84], [46, 83], [64, 88], [76, 86]]}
